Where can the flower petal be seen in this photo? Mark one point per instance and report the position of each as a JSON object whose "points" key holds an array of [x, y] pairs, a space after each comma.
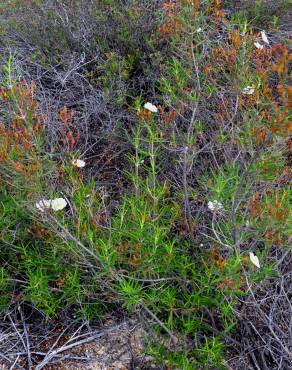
{"points": [[264, 37], [215, 205], [58, 204], [258, 45], [254, 259], [151, 107], [43, 204], [248, 90], [78, 163]]}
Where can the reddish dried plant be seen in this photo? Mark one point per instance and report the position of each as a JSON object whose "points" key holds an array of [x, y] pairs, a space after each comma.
{"points": [[71, 135], [172, 23], [20, 130]]}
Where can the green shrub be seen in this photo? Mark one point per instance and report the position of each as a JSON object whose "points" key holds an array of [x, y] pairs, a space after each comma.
{"points": [[206, 181]]}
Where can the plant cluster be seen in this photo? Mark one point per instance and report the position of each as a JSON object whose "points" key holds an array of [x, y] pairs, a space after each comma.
{"points": [[151, 176]]}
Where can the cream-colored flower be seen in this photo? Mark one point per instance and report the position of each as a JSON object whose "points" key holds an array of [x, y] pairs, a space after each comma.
{"points": [[151, 107], [215, 205], [43, 204], [198, 30], [248, 90], [264, 37], [258, 45], [254, 259], [58, 204], [78, 163]]}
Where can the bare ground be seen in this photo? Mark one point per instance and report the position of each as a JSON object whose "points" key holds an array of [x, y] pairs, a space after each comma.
{"points": [[116, 346]]}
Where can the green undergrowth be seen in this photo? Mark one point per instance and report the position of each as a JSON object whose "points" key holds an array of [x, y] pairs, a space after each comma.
{"points": [[161, 249]]}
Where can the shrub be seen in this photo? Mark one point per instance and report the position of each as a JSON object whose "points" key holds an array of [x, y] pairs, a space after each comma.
{"points": [[204, 178]]}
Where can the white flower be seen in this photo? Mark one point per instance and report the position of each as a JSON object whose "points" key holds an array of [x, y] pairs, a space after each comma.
{"points": [[215, 205], [58, 204], [264, 37], [258, 45], [248, 90], [254, 259], [199, 30], [55, 204], [43, 204], [151, 107], [78, 163]]}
